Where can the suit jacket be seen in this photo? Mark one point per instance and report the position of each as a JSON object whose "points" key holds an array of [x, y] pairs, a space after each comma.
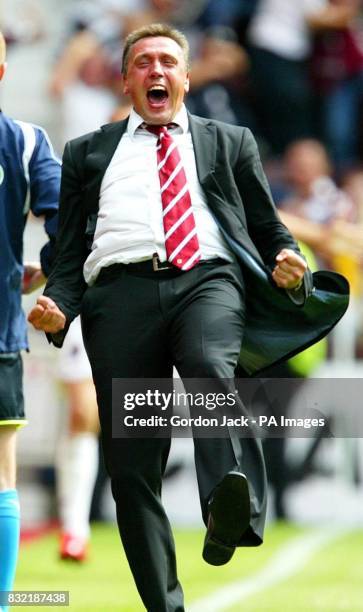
{"points": [[279, 323]]}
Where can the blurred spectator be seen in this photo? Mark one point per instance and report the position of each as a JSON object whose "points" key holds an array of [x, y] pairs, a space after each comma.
{"points": [[216, 76], [316, 210], [314, 193], [352, 183], [21, 21], [86, 78], [77, 451], [280, 37], [337, 70], [324, 216]]}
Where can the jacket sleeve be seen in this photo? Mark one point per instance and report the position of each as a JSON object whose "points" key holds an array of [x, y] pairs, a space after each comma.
{"points": [[66, 284], [265, 228]]}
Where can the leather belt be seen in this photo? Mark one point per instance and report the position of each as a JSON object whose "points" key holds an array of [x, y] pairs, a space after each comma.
{"points": [[149, 267], [159, 266]]}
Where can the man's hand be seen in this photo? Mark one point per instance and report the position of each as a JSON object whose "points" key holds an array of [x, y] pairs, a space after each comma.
{"points": [[33, 277], [289, 270], [47, 316]]}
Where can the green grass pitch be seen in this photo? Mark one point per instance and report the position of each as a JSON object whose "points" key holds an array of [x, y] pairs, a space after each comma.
{"points": [[332, 581]]}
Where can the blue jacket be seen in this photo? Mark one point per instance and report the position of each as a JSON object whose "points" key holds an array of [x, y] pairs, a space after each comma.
{"points": [[29, 180]]}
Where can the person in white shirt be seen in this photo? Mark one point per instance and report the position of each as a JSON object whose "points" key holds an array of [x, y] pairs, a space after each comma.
{"points": [[77, 448], [279, 37]]}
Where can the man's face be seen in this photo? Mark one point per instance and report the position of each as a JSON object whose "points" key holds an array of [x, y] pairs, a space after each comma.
{"points": [[156, 79]]}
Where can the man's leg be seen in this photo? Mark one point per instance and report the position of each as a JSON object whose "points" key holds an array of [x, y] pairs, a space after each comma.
{"points": [[124, 334], [206, 335], [9, 509], [11, 416]]}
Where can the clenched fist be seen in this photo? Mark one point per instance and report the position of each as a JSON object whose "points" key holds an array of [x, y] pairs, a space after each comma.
{"points": [[289, 270], [46, 316]]}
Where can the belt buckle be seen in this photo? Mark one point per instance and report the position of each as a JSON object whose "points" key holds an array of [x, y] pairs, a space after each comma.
{"points": [[157, 267]]}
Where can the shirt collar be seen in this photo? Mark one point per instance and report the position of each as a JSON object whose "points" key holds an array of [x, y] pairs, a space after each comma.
{"points": [[135, 121]]}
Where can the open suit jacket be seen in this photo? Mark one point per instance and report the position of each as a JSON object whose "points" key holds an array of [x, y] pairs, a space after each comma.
{"points": [[279, 323]]}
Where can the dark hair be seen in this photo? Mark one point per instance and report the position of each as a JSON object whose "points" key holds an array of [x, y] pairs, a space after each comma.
{"points": [[150, 31]]}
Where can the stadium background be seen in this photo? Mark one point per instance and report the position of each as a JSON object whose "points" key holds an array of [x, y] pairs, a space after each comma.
{"points": [[312, 561]]}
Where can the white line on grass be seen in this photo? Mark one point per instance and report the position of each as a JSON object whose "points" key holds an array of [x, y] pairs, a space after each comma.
{"points": [[289, 559]]}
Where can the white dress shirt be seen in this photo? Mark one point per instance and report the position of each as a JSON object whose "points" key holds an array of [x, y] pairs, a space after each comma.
{"points": [[130, 221]]}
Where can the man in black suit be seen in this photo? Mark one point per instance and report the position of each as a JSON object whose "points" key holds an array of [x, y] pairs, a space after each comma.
{"points": [[155, 292]]}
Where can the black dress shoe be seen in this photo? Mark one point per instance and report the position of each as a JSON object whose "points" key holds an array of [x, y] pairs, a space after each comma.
{"points": [[229, 517]]}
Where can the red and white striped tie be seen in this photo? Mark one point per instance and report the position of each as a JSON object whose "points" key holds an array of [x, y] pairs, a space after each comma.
{"points": [[181, 240]]}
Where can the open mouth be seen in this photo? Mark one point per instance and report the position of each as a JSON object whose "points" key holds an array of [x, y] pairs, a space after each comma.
{"points": [[157, 95]]}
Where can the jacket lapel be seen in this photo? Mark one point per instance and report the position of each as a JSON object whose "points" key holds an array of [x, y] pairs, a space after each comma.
{"points": [[204, 137], [104, 143], [100, 152]]}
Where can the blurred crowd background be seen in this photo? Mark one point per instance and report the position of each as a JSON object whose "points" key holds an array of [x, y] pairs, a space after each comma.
{"points": [[290, 71]]}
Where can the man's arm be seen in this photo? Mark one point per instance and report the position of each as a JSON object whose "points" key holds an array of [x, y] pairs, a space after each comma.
{"points": [[274, 242], [264, 226], [44, 183], [65, 285]]}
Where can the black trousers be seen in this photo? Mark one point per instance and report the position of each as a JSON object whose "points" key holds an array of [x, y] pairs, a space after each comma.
{"points": [[140, 324]]}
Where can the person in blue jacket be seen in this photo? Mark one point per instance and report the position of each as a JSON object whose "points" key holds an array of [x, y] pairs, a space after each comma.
{"points": [[29, 181]]}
